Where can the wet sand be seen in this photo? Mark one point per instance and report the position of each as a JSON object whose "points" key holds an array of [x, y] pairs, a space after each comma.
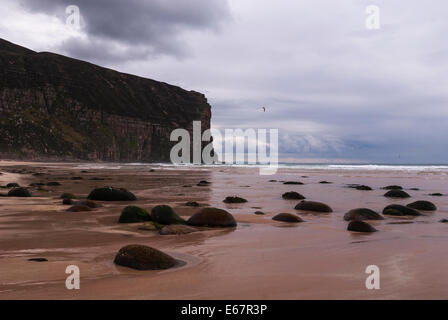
{"points": [[260, 259]]}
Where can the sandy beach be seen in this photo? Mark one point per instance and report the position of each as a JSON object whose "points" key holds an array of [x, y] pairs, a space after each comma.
{"points": [[259, 259]]}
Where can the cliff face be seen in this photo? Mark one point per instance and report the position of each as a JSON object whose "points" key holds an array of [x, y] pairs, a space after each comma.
{"points": [[54, 107]]}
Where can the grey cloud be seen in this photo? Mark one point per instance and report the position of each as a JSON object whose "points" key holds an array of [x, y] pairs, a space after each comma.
{"points": [[139, 28]]}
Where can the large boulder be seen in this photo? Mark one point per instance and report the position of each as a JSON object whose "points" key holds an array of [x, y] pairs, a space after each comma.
{"points": [[362, 214], [360, 226], [177, 230], [234, 200], [287, 217], [132, 214], [399, 210], [313, 206], [292, 195], [19, 192], [212, 217], [165, 215], [422, 205], [143, 258], [111, 194], [397, 194]]}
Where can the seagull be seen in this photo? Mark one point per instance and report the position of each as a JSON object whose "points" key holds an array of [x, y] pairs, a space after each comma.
{"points": [[264, 109]]}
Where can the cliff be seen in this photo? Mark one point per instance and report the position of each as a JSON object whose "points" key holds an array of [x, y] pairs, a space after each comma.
{"points": [[55, 107]]}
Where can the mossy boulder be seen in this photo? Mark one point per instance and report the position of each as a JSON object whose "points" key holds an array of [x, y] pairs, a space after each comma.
{"points": [[12, 185], [141, 257], [151, 226], [234, 200], [212, 217], [165, 215], [362, 214], [360, 226], [292, 195], [132, 214], [111, 194], [287, 217], [422, 205], [399, 210], [19, 192], [177, 230], [313, 206], [397, 194]]}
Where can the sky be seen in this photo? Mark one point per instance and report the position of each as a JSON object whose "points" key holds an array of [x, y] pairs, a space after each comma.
{"points": [[336, 90]]}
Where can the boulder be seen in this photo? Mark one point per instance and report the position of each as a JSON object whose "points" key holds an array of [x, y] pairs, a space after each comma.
{"points": [[88, 203], [192, 204], [360, 226], [292, 195], [212, 217], [393, 187], [234, 200], [293, 182], [165, 215], [287, 217], [437, 194], [38, 260], [325, 182], [399, 210], [363, 188], [143, 258], [259, 213], [177, 230], [12, 185], [111, 194], [19, 192], [397, 194], [151, 226], [132, 214], [203, 183], [422, 205], [313, 206], [68, 202], [79, 208], [444, 221], [362, 214]]}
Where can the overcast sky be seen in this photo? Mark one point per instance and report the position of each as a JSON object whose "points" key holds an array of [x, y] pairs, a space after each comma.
{"points": [[334, 89]]}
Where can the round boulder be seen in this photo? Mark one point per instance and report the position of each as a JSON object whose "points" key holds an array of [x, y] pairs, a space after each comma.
{"points": [[143, 258], [313, 206], [68, 196], [397, 194], [234, 200], [68, 202], [363, 188], [360, 226], [19, 192], [165, 215], [399, 210], [212, 217], [132, 214], [362, 214], [292, 195], [422, 205], [287, 217], [111, 194]]}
